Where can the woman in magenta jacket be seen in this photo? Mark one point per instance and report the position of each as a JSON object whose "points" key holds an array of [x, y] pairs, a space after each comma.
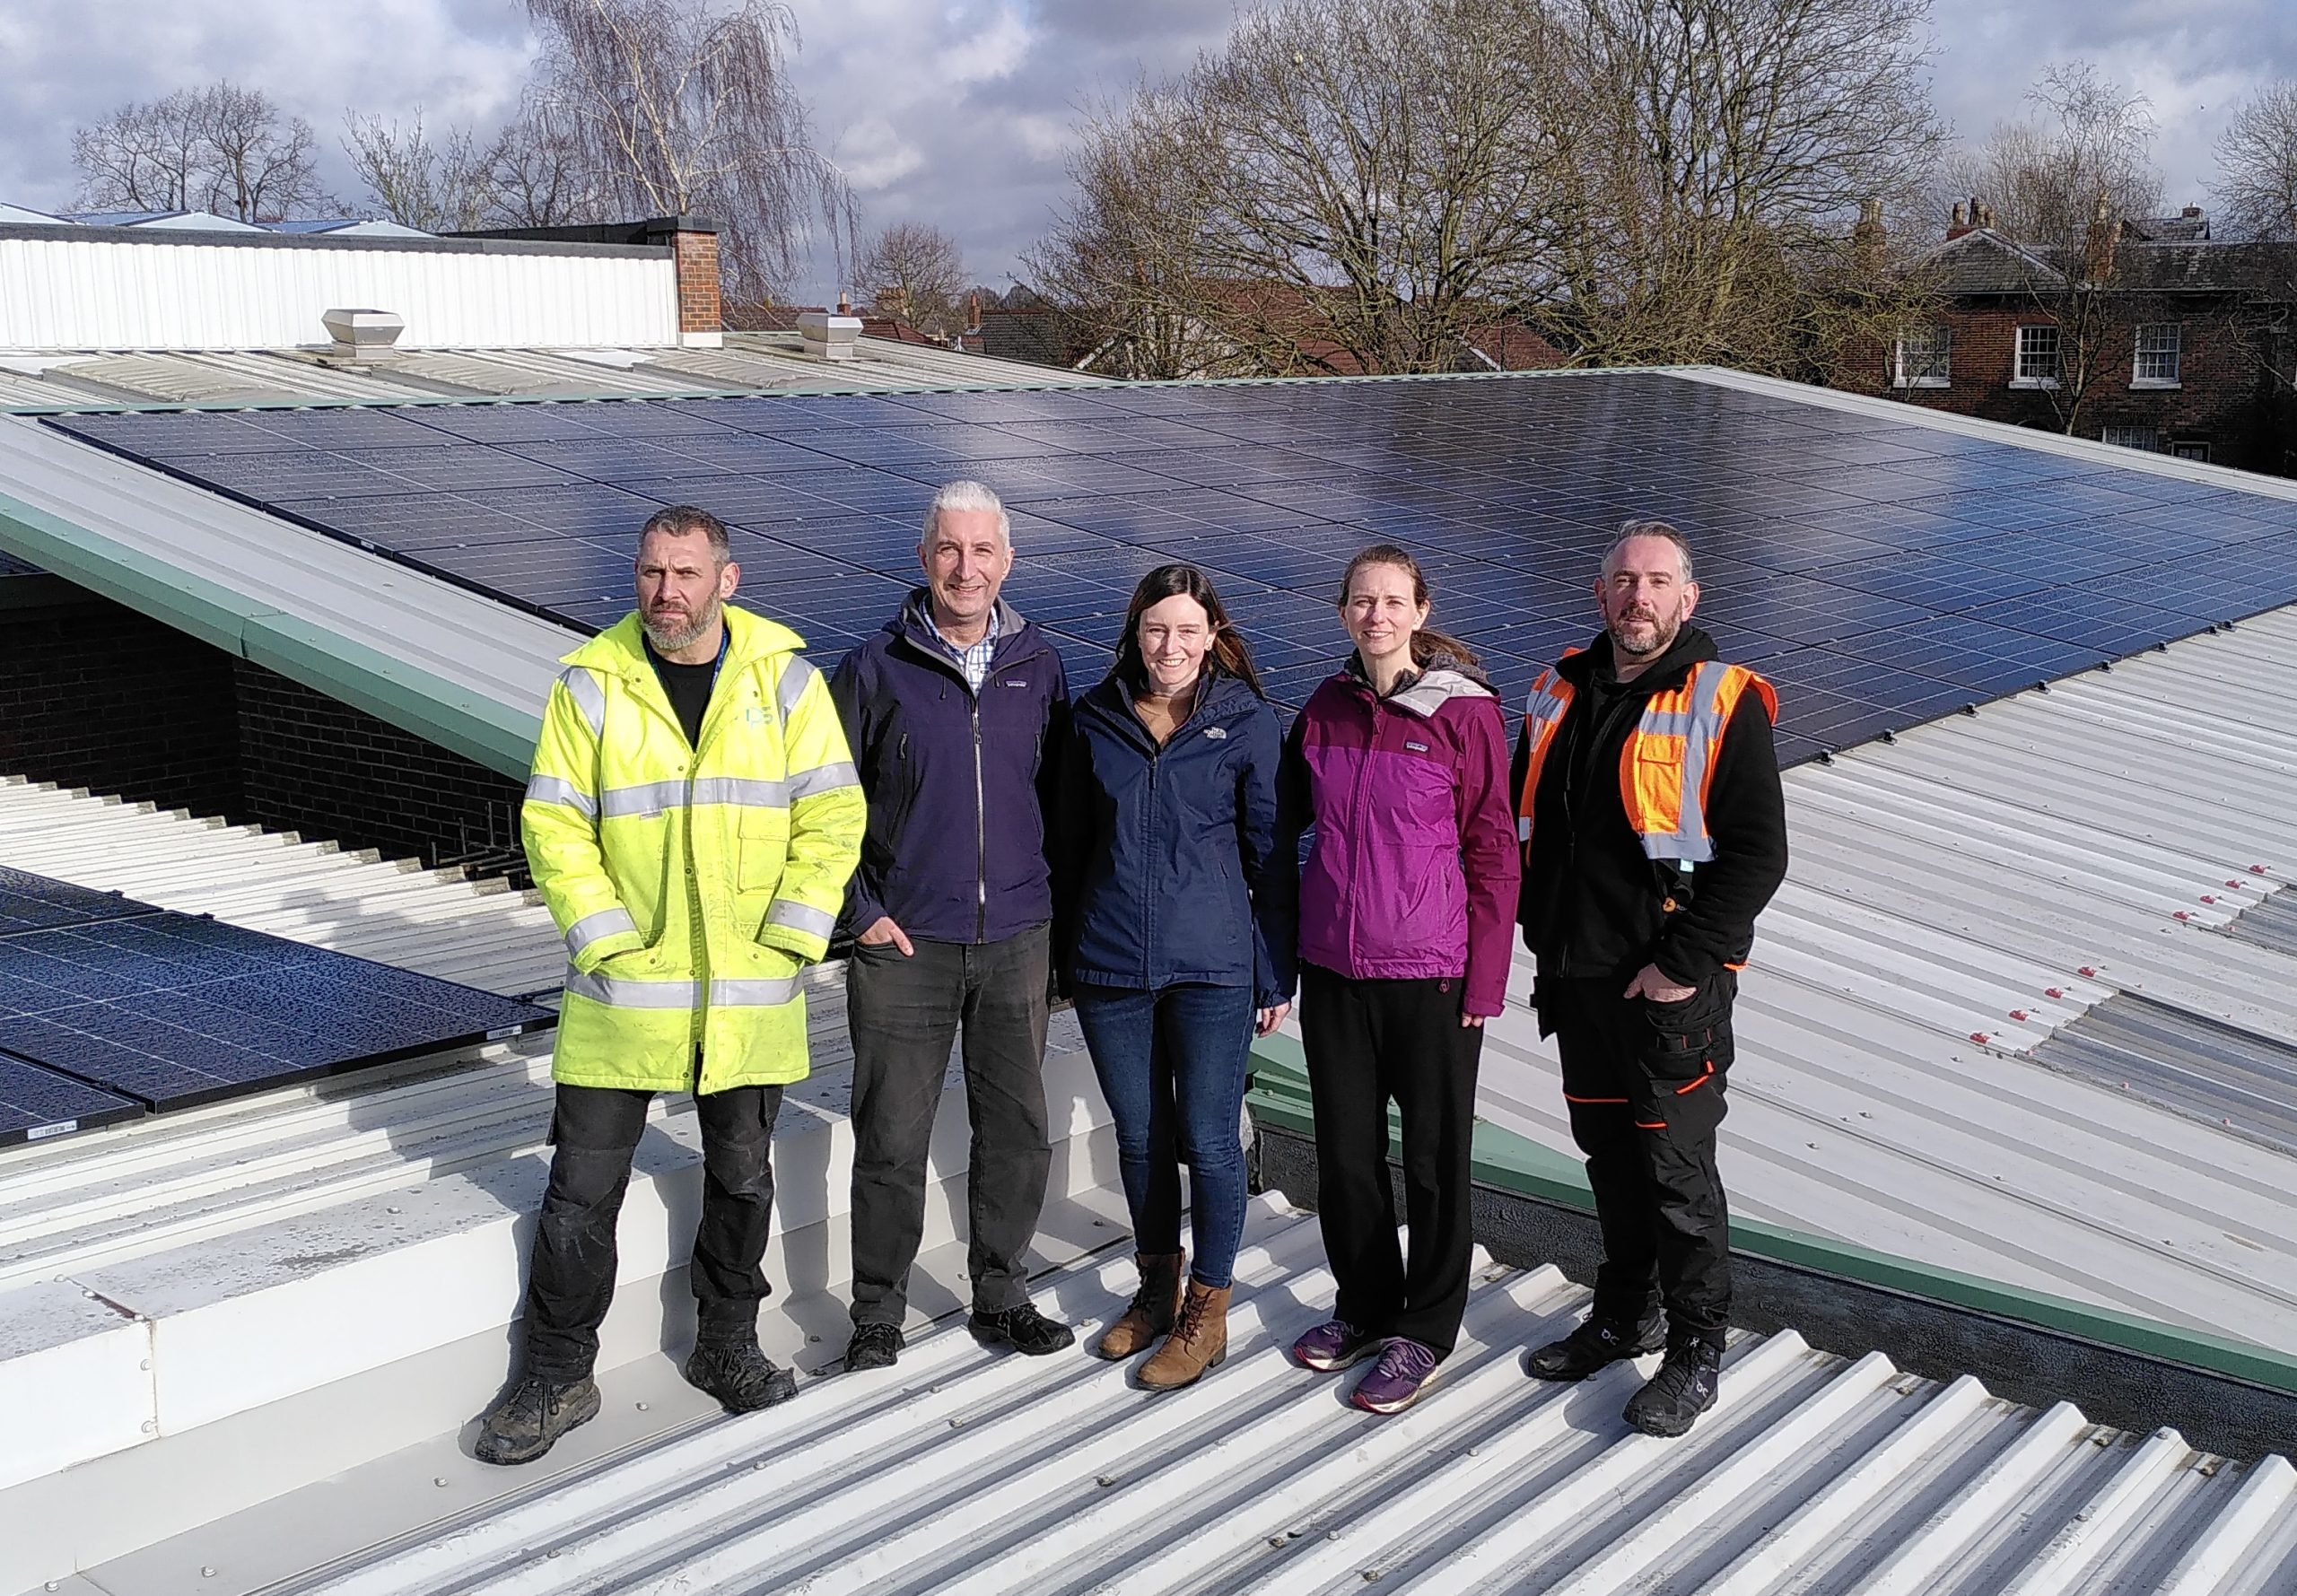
{"points": [[1403, 919]]}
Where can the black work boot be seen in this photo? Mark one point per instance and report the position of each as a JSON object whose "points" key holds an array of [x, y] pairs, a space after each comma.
{"points": [[1023, 1329], [1684, 1388], [1596, 1344], [874, 1347], [742, 1378], [529, 1422]]}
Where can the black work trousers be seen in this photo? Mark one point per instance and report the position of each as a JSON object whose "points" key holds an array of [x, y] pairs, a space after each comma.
{"points": [[1370, 1042], [1645, 1085], [906, 1011], [570, 1283]]}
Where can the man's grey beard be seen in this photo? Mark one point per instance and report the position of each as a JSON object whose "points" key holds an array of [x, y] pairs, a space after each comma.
{"points": [[670, 641], [1662, 640]]}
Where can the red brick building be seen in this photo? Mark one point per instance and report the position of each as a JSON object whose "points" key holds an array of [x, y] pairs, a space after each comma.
{"points": [[2151, 334]]}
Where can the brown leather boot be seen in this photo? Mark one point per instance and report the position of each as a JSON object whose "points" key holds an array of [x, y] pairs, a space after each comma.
{"points": [[1199, 1342], [1153, 1309]]}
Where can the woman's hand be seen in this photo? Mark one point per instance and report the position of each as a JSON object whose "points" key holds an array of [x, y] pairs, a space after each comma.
{"points": [[1471, 1022], [1270, 1018]]}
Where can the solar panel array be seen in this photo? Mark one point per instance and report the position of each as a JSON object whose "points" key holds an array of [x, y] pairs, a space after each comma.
{"points": [[1881, 571], [111, 1009]]}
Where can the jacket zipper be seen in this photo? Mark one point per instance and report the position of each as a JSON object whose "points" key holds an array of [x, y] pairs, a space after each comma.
{"points": [[1363, 782], [979, 833]]}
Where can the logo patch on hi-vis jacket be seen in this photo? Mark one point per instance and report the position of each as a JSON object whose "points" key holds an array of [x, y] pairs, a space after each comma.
{"points": [[1216, 731]]}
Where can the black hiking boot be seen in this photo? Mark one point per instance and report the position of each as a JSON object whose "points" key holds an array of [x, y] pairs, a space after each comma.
{"points": [[1685, 1387], [1596, 1344], [529, 1422], [1023, 1329], [874, 1347], [742, 1378]]}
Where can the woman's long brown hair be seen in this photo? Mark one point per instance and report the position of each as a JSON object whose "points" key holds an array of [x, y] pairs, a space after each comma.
{"points": [[1427, 643], [1228, 652]]}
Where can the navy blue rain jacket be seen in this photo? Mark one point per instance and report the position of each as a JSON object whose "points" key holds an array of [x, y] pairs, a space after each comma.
{"points": [[956, 849], [1162, 849]]}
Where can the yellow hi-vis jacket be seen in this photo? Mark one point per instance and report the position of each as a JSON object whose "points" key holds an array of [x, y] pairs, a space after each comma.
{"points": [[693, 884]]}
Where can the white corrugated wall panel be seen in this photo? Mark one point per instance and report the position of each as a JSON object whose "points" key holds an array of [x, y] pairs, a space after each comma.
{"points": [[93, 294]]}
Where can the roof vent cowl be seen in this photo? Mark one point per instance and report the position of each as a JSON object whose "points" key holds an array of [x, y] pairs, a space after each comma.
{"points": [[362, 334], [828, 337]]}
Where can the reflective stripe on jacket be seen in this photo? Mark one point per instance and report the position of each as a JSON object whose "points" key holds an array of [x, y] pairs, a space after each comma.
{"points": [[692, 883], [1667, 767]]}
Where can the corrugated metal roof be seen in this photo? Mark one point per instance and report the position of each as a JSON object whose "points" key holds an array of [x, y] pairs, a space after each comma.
{"points": [[749, 363], [962, 1471], [1956, 899], [479, 933], [2219, 1074]]}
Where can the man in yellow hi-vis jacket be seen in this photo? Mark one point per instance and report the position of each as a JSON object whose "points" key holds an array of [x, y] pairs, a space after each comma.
{"points": [[692, 819]]}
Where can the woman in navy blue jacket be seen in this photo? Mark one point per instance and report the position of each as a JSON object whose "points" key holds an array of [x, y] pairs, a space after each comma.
{"points": [[1166, 816]]}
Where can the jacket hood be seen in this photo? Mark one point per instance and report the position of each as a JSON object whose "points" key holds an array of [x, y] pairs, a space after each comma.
{"points": [[1445, 676], [1692, 646], [620, 648]]}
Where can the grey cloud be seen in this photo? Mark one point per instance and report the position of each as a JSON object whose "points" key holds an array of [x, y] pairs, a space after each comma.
{"points": [[988, 152]]}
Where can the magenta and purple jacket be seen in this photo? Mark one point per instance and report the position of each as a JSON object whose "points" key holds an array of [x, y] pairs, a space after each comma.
{"points": [[1412, 868]]}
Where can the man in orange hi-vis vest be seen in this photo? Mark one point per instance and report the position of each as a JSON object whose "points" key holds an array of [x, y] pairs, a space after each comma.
{"points": [[1654, 832]]}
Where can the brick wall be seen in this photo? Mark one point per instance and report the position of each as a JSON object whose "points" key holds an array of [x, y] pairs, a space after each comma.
{"points": [[2224, 400], [95, 695], [311, 764]]}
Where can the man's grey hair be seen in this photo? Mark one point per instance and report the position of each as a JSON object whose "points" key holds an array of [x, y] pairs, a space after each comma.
{"points": [[965, 495], [679, 519], [1633, 530]]}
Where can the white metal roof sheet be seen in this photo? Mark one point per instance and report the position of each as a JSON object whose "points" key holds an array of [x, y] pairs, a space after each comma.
{"points": [[1956, 897], [962, 1471]]}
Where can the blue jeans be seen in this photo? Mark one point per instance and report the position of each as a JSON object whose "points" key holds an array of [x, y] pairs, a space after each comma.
{"points": [[1171, 1065]]}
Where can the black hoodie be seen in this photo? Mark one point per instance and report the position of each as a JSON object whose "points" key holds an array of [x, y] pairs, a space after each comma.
{"points": [[1593, 904]]}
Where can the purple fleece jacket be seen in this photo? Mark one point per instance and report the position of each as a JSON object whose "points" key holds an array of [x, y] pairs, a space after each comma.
{"points": [[1413, 869]]}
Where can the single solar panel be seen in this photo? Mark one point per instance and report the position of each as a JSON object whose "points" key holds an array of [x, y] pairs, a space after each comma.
{"points": [[37, 1105], [1883, 570]]}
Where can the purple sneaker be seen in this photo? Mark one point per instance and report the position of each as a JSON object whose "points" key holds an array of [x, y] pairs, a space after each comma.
{"points": [[1334, 1345], [1403, 1372]]}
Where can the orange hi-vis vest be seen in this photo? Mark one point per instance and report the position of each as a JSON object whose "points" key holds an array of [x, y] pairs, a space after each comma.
{"points": [[1668, 763]]}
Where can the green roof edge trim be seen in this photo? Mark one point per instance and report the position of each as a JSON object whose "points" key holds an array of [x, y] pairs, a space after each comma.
{"points": [[1508, 1162], [412, 699]]}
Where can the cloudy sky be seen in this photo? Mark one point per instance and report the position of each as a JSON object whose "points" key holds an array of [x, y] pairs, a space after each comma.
{"points": [[957, 112]]}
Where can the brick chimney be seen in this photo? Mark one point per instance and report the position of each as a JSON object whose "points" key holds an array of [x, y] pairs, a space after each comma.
{"points": [[1959, 224], [694, 247], [1866, 237], [2104, 238]]}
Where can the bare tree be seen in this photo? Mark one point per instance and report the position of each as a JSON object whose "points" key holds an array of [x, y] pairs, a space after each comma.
{"points": [[534, 177], [2086, 138], [1123, 262], [915, 271], [438, 188], [2060, 185], [2257, 167], [1714, 155], [672, 106], [220, 148], [265, 163], [1360, 184]]}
